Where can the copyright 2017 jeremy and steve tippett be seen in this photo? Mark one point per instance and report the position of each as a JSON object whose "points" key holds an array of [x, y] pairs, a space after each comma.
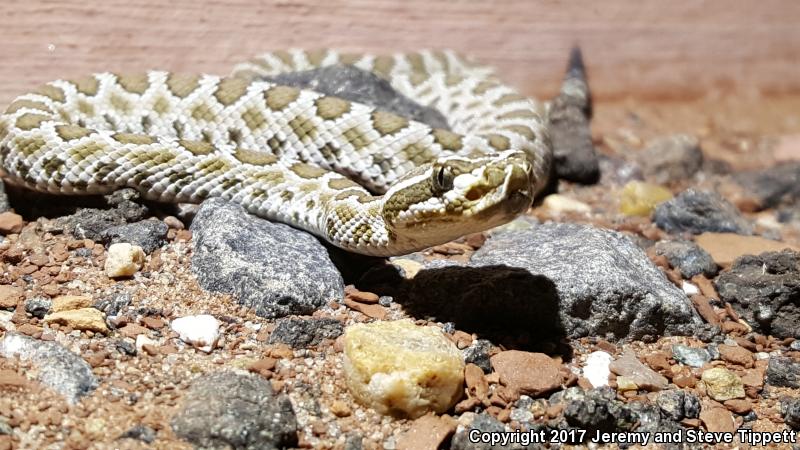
{"points": [[573, 436]]}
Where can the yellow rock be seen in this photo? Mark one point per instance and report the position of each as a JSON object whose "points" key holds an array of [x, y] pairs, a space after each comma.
{"points": [[402, 369], [722, 384], [626, 384], [80, 319], [68, 302], [640, 199], [123, 260]]}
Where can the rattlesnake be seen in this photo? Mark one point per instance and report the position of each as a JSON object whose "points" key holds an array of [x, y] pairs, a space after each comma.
{"points": [[313, 161]]}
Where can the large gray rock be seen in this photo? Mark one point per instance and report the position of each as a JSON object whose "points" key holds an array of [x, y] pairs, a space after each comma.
{"points": [[356, 85], [230, 410], [765, 290], [271, 267], [547, 281], [696, 212], [606, 285], [60, 369]]}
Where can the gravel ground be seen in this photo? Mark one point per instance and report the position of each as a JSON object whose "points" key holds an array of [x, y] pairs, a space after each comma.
{"points": [[123, 377]]}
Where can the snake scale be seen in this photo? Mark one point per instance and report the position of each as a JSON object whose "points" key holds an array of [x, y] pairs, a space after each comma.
{"points": [[363, 179]]}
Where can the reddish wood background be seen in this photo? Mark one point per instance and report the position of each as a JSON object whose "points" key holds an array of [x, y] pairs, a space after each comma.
{"points": [[638, 48]]}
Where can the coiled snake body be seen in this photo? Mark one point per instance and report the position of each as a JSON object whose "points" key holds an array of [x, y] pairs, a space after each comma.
{"points": [[317, 162]]}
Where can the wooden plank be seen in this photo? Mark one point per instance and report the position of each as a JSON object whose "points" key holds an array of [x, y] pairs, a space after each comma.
{"points": [[639, 48]]}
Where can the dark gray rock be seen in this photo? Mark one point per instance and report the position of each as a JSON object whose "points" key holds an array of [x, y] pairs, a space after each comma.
{"points": [[691, 406], [574, 155], [113, 303], [597, 409], [713, 351], [606, 285], [305, 333], [696, 212], [678, 405], [790, 408], [125, 347], [671, 403], [693, 357], [60, 369], [89, 223], [765, 290], [126, 202], [671, 158], [650, 419], [38, 306], [774, 186], [688, 257], [140, 433], [271, 267], [149, 234], [478, 354], [356, 85], [783, 372], [227, 409]]}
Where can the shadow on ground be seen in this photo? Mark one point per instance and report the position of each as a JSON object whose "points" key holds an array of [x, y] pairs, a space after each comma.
{"points": [[507, 305]]}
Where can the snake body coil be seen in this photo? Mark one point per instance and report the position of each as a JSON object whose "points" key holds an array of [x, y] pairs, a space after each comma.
{"points": [[363, 179]]}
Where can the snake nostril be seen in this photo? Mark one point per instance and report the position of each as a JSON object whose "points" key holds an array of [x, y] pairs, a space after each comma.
{"points": [[472, 195]]}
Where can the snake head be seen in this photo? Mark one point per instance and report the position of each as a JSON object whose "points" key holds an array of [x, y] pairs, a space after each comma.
{"points": [[454, 196]]}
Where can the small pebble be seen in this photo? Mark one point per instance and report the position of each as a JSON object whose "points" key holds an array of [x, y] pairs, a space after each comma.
{"points": [[38, 306], [10, 223], [88, 319], [626, 384], [597, 369], [123, 260], [694, 357], [527, 373], [689, 289], [10, 296], [201, 331], [173, 222], [562, 203]]}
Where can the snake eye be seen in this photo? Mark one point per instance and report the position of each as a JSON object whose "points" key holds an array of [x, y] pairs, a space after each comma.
{"points": [[443, 179]]}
